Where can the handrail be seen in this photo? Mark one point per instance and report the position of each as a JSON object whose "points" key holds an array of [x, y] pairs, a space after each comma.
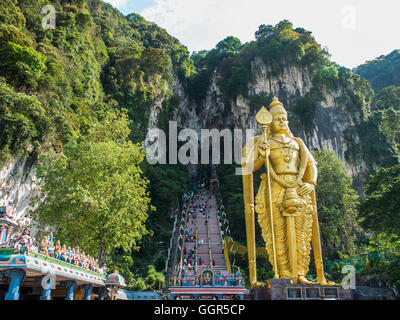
{"points": [[184, 238], [170, 243], [223, 244], [219, 225], [208, 234], [196, 243]]}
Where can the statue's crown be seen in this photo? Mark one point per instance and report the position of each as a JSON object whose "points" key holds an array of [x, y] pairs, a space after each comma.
{"points": [[276, 107]]}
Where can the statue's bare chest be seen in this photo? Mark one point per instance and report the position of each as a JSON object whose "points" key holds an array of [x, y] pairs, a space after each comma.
{"points": [[284, 155]]}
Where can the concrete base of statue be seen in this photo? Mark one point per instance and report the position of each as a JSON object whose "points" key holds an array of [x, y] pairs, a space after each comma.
{"points": [[284, 289]]}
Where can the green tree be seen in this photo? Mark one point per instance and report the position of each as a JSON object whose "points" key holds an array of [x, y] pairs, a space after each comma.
{"points": [[337, 206], [382, 71], [383, 259], [95, 192], [388, 97], [228, 47], [154, 280], [139, 284], [23, 123], [265, 32], [381, 208], [21, 65]]}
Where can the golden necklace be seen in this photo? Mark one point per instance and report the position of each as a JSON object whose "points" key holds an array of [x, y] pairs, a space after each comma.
{"points": [[287, 150], [302, 168]]}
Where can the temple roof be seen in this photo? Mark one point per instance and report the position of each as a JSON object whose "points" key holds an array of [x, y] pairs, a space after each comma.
{"points": [[115, 279]]}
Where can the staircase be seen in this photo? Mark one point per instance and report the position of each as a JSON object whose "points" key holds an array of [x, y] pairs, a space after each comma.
{"points": [[202, 223], [202, 242]]}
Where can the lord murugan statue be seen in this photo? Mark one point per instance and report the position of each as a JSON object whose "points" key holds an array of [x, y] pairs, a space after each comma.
{"points": [[285, 201]]}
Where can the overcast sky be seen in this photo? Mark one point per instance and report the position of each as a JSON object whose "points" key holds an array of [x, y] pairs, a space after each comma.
{"points": [[354, 31]]}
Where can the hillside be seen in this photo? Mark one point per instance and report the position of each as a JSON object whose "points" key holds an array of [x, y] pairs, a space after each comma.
{"points": [[57, 84], [382, 72]]}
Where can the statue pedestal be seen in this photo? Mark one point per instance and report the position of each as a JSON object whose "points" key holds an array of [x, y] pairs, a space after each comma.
{"points": [[284, 289]]}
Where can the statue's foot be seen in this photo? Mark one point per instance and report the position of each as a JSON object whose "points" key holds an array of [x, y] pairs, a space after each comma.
{"points": [[323, 282], [257, 284], [303, 280]]}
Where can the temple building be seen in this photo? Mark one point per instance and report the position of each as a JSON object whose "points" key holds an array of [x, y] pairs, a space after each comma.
{"points": [[53, 272]]}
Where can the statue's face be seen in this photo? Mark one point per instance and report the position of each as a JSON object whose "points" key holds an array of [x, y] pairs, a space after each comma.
{"points": [[280, 123]]}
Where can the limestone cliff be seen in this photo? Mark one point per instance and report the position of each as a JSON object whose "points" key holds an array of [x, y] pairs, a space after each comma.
{"points": [[331, 119], [18, 187]]}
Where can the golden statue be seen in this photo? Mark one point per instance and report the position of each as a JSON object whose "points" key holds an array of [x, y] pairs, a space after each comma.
{"points": [[286, 196]]}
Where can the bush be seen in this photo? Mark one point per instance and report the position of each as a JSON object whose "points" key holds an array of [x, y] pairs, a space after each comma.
{"points": [[326, 75], [22, 65], [23, 122], [10, 33]]}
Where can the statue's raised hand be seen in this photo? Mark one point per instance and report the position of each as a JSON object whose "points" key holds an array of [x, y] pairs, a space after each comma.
{"points": [[305, 188], [263, 148]]}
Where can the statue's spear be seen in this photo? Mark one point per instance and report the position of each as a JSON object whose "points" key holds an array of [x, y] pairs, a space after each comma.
{"points": [[264, 118]]}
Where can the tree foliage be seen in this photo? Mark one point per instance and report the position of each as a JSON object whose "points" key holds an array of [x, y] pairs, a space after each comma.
{"points": [[229, 47], [95, 191], [337, 206], [388, 97], [24, 124], [154, 281], [383, 71], [275, 45], [381, 208]]}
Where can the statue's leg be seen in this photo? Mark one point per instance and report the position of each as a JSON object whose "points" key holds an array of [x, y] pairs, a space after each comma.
{"points": [[281, 241], [280, 228], [303, 224]]}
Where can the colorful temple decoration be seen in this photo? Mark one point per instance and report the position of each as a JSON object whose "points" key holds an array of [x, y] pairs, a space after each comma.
{"points": [[115, 279], [52, 270], [138, 295], [7, 224], [73, 256]]}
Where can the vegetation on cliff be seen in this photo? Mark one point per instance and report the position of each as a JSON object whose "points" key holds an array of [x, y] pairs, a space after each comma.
{"points": [[59, 86], [382, 72], [95, 191]]}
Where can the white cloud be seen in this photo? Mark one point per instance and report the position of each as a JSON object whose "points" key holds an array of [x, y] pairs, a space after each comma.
{"points": [[201, 24], [116, 3]]}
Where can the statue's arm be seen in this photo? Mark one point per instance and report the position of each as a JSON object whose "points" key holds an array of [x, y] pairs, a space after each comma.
{"points": [[310, 175], [311, 172], [252, 159]]}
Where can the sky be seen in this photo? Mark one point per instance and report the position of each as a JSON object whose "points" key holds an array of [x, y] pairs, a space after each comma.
{"points": [[353, 31]]}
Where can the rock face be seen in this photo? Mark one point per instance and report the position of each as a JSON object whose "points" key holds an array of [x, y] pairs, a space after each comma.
{"points": [[329, 124], [18, 187], [331, 119]]}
